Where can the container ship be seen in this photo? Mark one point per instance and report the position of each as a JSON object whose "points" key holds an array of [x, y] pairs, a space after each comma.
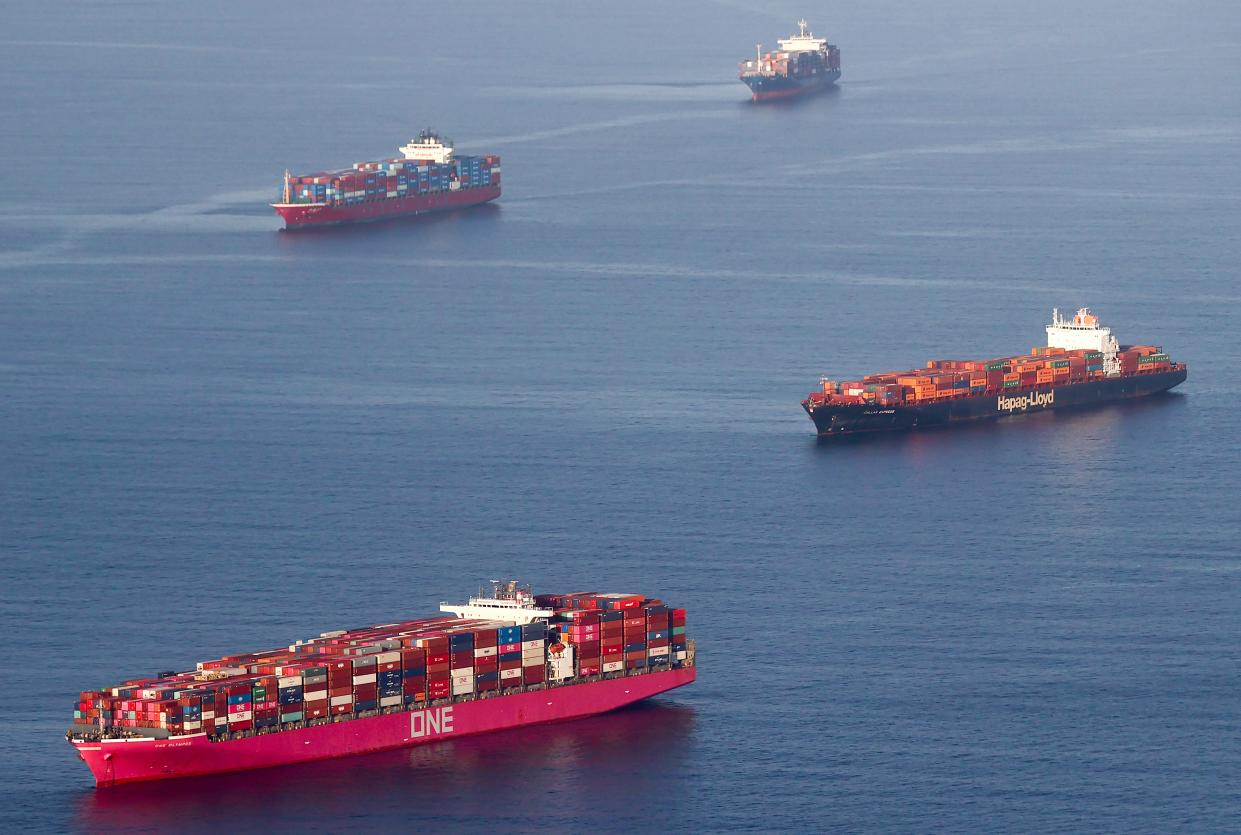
{"points": [[427, 178], [502, 661], [1081, 365], [801, 64]]}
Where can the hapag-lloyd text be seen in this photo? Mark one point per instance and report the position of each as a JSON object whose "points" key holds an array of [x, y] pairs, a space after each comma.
{"points": [[1033, 400]]}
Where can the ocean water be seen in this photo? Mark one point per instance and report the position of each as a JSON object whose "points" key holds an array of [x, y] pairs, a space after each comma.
{"points": [[217, 436]]}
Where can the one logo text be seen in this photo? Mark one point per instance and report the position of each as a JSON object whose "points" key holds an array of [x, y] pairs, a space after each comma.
{"points": [[437, 720]]}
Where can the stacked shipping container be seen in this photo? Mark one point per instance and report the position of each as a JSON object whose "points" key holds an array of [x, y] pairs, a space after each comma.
{"points": [[389, 667], [946, 379], [391, 179]]}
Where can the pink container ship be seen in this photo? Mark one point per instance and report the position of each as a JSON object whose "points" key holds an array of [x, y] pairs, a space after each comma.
{"points": [[498, 662], [427, 178]]}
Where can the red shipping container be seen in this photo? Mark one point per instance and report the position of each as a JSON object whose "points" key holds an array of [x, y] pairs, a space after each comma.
{"points": [[532, 675], [341, 710], [485, 638], [509, 648], [486, 665]]}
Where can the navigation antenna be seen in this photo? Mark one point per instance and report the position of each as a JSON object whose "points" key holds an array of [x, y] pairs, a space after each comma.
{"points": [[801, 24]]}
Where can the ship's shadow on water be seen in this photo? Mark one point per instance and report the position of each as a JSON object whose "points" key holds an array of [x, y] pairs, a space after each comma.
{"points": [[507, 779], [394, 226], [1112, 416]]}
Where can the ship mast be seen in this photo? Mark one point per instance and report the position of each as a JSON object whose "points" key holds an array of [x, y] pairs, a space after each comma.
{"points": [[286, 185]]}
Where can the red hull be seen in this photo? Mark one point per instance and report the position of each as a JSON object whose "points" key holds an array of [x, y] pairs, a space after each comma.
{"points": [[129, 761], [300, 215], [768, 95]]}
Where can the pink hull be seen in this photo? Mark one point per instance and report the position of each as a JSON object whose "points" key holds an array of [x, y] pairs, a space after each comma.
{"points": [[128, 761], [323, 214]]}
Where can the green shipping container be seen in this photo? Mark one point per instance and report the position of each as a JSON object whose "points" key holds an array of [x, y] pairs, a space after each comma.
{"points": [[1012, 384]]}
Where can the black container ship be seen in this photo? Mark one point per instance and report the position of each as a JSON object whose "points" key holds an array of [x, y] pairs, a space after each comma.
{"points": [[801, 64], [1081, 365]]}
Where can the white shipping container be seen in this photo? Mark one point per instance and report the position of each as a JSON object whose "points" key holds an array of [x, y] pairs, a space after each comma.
{"points": [[240, 716], [614, 666], [290, 681], [680, 655], [468, 678], [192, 726], [369, 678], [458, 689], [485, 652], [510, 674], [539, 644], [654, 651], [390, 701], [342, 700], [456, 672]]}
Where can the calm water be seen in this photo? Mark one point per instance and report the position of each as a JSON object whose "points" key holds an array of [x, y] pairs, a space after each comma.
{"points": [[219, 437]]}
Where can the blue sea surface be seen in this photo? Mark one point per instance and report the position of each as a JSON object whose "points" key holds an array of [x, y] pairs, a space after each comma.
{"points": [[216, 436]]}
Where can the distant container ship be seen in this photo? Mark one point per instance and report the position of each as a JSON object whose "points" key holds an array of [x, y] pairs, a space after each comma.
{"points": [[428, 178], [1082, 365], [498, 662], [801, 64]]}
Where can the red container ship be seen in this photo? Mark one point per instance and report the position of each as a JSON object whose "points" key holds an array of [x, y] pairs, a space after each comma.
{"points": [[498, 662], [801, 64], [428, 178], [1082, 365]]}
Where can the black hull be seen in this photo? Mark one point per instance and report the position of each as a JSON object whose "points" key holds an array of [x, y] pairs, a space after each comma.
{"points": [[836, 420], [783, 86]]}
